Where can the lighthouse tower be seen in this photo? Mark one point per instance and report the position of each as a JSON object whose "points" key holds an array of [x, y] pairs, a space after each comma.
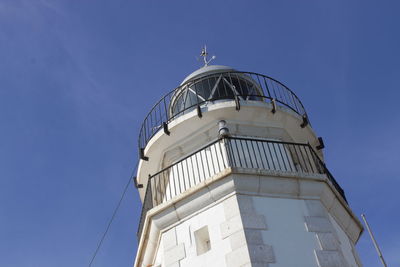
{"points": [[232, 174]]}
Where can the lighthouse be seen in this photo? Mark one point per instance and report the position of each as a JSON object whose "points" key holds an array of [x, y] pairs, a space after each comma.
{"points": [[231, 173]]}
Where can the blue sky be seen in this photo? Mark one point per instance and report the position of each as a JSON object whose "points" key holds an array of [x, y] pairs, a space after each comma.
{"points": [[78, 77]]}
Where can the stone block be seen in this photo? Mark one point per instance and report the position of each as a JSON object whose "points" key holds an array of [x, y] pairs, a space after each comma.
{"points": [[318, 224], [174, 254], [246, 204], [254, 237], [261, 253], [245, 237], [315, 208], [237, 240], [330, 259], [280, 185], [231, 207], [340, 214], [328, 241], [327, 196], [311, 188], [247, 183], [169, 239], [254, 221], [231, 226], [238, 257]]}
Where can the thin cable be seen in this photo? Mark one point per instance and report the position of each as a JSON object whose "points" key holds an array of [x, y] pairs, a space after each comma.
{"points": [[113, 216]]}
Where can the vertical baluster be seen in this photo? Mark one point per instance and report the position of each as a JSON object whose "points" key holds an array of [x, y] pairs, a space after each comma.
{"points": [[187, 172], [244, 155], [238, 154], [232, 152], [183, 176], [202, 165], [260, 143], [222, 153], [192, 167], [248, 152], [271, 156], [212, 160], [301, 148], [307, 148], [176, 180], [216, 156], [282, 157], [166, 177]]}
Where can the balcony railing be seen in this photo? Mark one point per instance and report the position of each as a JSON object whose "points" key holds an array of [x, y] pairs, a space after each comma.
{"points": [[232, 152], [238, 86]]}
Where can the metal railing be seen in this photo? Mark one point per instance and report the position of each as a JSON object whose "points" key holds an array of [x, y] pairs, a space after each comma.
{"points": [[232, 152], [236, 86]]}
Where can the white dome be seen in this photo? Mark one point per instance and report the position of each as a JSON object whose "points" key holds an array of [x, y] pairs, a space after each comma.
{"points": [[206, 70]]}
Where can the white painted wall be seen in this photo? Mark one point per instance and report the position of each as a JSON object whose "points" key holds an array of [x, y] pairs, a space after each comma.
{"points": [[293, 245], [348, 250], [294, 233], [287, 233], [212, 217]]}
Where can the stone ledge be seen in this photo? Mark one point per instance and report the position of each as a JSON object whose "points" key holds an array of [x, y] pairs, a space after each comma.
{"points": [[330, 258]]}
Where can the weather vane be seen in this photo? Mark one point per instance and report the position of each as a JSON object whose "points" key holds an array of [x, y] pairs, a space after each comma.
{"points": [[204, 54]]}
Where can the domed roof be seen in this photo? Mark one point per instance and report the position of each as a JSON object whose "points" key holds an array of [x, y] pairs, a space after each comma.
{"points": [[206, 70]]}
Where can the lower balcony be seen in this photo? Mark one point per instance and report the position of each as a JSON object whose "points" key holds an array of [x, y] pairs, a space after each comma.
{"points": [[291, 159]]}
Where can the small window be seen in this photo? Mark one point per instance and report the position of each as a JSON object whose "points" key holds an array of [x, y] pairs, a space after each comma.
{"points": [[202, 238]]}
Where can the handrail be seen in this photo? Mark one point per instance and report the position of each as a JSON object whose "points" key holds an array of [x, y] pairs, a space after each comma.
{"points": [[235, 152], [249, 86]]}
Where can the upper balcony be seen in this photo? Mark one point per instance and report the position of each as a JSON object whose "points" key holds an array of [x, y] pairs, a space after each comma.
{"points": [[266, 158], [221, 84]]}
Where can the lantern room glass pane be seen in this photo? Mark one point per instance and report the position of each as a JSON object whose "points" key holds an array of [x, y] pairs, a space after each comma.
{"points": [[216, 87]]}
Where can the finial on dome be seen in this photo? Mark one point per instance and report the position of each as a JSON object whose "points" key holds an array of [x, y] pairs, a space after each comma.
{"points": [[204, 54]]}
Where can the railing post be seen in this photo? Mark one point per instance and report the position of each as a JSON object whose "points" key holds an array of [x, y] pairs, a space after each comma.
{"points": [[237, 102], [227, 145], [266, 86], [166, 111]]}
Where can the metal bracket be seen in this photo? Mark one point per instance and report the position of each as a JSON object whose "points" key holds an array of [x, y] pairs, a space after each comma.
{"points": [[237, 101], [136, 183], [305, 122], [165, 126], [321, 144], [199, 111], [142, 156], [273, 105]]}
